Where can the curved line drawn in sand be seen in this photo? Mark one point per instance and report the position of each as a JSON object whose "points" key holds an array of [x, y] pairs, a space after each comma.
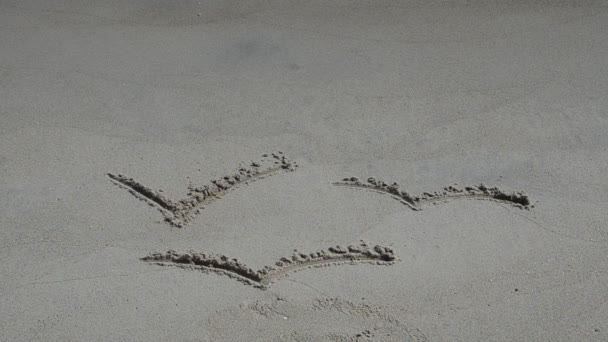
{"points": [[452, 192], [265, 277], [179, 213], [323, 319]]}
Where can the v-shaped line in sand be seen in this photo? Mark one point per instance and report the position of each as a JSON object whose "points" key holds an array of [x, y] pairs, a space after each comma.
{"points": [[416, 202], [266, 276], [178, 213]]}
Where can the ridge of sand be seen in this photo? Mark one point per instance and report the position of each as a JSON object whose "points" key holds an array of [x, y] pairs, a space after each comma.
{"points": [[481, 192], [264, 277], [181, 212]]}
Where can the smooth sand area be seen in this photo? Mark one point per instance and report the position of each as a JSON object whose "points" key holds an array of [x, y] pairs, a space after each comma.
{"points": [[146, 144]]}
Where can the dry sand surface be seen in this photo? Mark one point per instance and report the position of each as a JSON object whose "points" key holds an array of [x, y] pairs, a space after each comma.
{"points": [[221, 170]]}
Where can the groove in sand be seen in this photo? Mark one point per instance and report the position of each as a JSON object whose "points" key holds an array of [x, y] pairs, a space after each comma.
{"points": [[269, 274], [179, 213], [481, 192]]}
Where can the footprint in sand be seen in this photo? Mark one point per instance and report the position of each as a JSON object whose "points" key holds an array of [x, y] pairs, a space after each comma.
{"points": [[326, 319]]}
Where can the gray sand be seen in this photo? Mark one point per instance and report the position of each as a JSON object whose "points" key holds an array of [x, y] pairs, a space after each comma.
{"points": [[425, 94]]}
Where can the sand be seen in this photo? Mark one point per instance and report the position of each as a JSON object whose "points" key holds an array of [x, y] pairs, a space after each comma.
{"points": [[266, 276], [467, 139]]}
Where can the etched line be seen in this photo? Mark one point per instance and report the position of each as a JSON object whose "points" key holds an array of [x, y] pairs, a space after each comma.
{"points": [[266, 276], [179, 213], [143, 192], [481, 192]]}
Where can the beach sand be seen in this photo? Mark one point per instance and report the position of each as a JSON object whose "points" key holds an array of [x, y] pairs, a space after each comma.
{"points": [[144, 145]]}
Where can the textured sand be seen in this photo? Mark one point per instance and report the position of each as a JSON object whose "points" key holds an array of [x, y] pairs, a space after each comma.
{"points": [[426, 94]]}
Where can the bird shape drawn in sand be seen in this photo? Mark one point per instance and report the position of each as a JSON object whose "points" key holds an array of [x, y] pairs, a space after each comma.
{"points": [[416, 202], [179, 213], [266, 276]]}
